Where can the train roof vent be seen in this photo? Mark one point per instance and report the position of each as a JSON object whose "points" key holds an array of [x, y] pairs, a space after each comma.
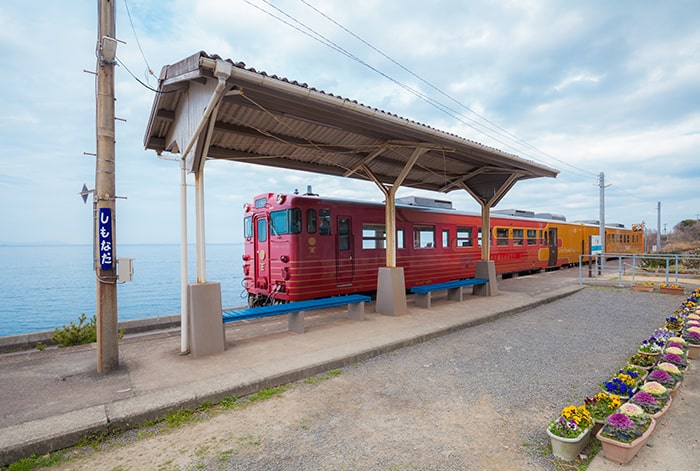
{"points": [[425, 202], [515, 212], [595, 222], [555, 217], [615, 224]]}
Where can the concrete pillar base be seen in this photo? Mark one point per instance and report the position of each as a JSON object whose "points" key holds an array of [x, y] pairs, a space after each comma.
{"points": [[486, 269], [391, 291], [206, 333]]}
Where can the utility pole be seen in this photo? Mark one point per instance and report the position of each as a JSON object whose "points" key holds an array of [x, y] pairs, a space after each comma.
{"points": [[658, 227], [602, 219], [105, 193]]}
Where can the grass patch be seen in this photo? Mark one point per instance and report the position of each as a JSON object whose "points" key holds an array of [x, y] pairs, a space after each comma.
{"points": [[324, 377], [34, 462], [266, 394]]}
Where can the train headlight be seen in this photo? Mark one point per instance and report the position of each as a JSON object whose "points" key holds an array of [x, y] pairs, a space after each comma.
{"points": [[280, 198], [285, 273], [246, 207], [284, 258]]}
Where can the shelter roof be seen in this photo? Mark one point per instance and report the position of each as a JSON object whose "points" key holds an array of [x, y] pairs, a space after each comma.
{"points": [[269, 120]]}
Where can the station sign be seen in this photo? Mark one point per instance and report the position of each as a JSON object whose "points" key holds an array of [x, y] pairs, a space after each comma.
{"points": [[105, 238]]}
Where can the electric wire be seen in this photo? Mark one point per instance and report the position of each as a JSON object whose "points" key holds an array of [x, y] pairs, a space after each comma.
{"points": [[138, 43]]}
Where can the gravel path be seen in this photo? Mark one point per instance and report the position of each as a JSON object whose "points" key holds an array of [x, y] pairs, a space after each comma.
{"points": [[475, 399]]}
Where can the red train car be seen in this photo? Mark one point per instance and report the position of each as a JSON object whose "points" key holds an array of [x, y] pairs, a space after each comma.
{"points": [[304, 246]]}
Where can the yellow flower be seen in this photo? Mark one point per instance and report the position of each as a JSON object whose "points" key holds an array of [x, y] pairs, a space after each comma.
{"points": [[677, 340], [674, 350]]}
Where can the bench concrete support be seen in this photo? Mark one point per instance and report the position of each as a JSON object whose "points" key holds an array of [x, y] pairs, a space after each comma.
{"points": [[455, 294], [296, 322], [206, 333], [356, 311], [391, 291], [486, 269]]}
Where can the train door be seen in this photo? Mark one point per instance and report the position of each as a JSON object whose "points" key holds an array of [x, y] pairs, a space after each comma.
{"points": [[261, 241], [553, 246], [345, 251]]}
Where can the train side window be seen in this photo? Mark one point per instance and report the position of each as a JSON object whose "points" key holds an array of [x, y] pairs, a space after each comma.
{"points": [[423, 236], [464, 236], [531, 237], [248, 227], [295, 221], [311, 221], [517, 237], [479, 236], [501, 236], [325, 226], [445, 237], [541, 237], [373, 236], [262, 230], [400, 238], [546, 238]]}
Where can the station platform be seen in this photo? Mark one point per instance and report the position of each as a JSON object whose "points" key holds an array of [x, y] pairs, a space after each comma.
{"points": [[52, 398]]}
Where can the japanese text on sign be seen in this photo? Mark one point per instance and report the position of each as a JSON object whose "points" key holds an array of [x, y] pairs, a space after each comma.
{"points": [[105, 238]]}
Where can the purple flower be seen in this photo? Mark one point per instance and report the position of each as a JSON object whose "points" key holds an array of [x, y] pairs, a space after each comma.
{"points": [[693, 335], [660, 375], [621, 421], [644, 399], [674, 344], [673, 358]]}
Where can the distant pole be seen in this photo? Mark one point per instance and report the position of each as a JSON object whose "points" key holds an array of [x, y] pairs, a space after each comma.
{"points": [[105, 210], [658, 227], [602, 219]]}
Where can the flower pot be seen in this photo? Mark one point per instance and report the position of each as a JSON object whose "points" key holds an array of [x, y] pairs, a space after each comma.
{"points": [[646, 289], [620, 452], [674, 391], [667, 290], [693, 351], [569, 448], [658, 415]]}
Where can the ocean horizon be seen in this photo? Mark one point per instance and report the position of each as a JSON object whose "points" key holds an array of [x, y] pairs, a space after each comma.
{"points": [[45, 286]]}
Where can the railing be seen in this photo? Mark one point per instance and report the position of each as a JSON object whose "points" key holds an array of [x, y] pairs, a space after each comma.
{"points": [[626, 269]]}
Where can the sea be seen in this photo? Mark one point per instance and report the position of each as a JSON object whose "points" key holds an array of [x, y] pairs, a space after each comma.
{"points": [[44, 287]]}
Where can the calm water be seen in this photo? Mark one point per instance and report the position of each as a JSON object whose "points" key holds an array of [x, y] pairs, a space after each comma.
{"points": [[45, 287]]}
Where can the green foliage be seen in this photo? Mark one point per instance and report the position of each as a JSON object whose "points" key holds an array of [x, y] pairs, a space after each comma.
{"points": [[76, 334], [229, 402], [40, 346], [323, 377], [34, 462], [267, 393], [179, 417]]}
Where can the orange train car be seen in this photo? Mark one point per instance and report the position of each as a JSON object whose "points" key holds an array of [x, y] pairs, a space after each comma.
{"points": [[304, 246]]}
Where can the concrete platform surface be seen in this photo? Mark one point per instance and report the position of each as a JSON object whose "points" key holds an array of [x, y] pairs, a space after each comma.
{"points": [[52, 398]]}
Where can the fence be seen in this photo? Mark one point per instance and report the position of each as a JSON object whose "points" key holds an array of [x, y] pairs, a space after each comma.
{"points": [[624, 269]]}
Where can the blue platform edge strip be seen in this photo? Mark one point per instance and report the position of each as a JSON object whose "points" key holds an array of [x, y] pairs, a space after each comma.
{"points": [[425, 289], [232, 315]]}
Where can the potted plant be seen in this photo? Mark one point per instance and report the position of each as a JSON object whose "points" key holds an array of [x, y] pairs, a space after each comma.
{"points": [[622, 384], [651, 405], [656, 389], [671, 288], [643, 360], [570, 432], [601, 406], [647, 286], [675, 359], [674, 323], [625, 432], [652, 346], [692, 338], [675, 373]]}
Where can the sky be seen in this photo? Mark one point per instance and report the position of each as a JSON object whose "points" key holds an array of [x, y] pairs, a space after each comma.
{"points": [[584, 87]]}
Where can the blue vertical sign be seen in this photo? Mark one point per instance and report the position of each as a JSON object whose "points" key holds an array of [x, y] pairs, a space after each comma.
{"points": [[105, 238]]}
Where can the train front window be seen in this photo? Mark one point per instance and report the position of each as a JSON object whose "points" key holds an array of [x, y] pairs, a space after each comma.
{"points": [[286, 221], [423, 236], [278, 222], [262, 230], [248, 227]]}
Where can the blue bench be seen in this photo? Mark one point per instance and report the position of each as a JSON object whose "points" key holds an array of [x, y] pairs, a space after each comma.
{"points": [[355, 303], [423, 293]]}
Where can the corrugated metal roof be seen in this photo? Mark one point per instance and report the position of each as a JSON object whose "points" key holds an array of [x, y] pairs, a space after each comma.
{"points": [[270, 120]]}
